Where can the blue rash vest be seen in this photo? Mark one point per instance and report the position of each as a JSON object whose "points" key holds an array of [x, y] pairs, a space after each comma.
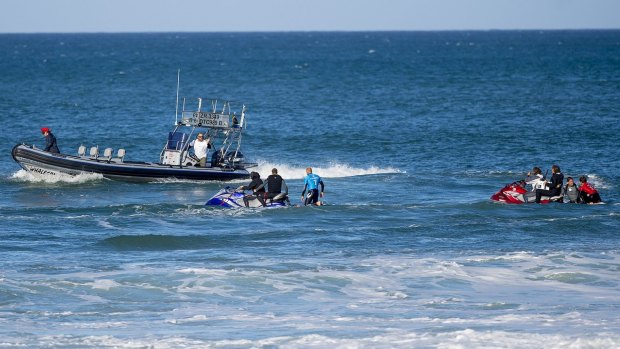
{"points": [[312, 181]]}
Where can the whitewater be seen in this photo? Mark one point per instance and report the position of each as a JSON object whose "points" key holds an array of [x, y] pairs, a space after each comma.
{"points": [[412, 132]]}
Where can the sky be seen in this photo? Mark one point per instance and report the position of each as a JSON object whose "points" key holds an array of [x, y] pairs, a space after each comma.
{"points": [[63, 16]]}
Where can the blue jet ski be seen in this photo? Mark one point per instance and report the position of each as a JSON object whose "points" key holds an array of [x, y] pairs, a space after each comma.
{"points": [[233, 198]]}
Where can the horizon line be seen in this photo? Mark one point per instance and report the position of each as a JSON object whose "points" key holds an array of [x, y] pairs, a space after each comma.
{"points": [[311, 31]]}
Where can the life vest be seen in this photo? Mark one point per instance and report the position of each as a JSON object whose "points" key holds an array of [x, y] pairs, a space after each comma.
{"points": [[572, 193], [274, 183]]}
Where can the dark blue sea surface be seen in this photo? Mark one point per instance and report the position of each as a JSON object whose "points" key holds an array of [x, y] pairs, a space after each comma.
{"points": [[412, 133]]}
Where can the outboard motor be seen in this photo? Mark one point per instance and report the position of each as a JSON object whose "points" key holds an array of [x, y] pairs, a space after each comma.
{"points": [[217, 158], [233, 157]]}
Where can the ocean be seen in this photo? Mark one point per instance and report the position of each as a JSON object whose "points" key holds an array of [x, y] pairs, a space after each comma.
{"points": [[412, 133]]}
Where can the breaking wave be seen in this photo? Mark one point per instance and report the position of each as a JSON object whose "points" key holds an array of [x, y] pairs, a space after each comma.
{"points": [[332, 170]]}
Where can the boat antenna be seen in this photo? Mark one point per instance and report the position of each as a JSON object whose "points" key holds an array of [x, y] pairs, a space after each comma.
{"points": [[242, 116], [176, 112]]}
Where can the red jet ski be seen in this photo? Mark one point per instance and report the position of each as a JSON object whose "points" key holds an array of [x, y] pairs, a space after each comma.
{"points": [[516, 193]]}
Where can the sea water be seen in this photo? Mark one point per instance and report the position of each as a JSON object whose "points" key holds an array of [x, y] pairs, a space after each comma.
{"points": [[412, 133]]}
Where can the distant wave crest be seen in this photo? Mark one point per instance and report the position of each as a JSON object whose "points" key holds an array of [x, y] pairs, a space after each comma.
{"points": [[332, 170]]}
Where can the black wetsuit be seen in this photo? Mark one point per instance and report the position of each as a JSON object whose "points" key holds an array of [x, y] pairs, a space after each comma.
{"points": [[275, 183], [584, 198], [555, 187], [255, 185]]}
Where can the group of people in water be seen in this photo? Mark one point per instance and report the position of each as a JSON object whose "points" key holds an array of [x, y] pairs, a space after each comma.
{"points": [[274, 188], [556, 190]]}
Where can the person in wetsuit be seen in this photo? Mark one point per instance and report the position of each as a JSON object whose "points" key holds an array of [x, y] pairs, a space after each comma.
{"points": [[50, 140], [257, 193], [311, 183], [571, 191], [555, 187], [275, 183], [587, 193]]}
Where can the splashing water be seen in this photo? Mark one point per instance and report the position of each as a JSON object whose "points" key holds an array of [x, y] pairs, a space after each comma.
{"points": [[25, 176], [330, 171]]}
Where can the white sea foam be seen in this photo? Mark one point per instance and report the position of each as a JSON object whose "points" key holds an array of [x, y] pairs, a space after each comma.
{"points": [[104, 284], [596, 181], [25, 176], [105, 224], [204, 271], [519, 294], [332, 170], [467, 338]]}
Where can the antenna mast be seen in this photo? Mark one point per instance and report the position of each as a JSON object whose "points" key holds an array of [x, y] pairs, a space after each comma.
{"points": [[176, 112]]}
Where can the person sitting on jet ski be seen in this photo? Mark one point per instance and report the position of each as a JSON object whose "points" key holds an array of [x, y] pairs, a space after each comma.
{"points": [[257, 193], [587, 193], [555, 187], [535, 179], [275, 183]]}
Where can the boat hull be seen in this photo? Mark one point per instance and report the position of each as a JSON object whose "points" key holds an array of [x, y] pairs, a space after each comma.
{"points": [[39, 162]]}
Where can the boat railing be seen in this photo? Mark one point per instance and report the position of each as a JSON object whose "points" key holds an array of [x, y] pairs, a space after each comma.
{"points": [[223, 128]]}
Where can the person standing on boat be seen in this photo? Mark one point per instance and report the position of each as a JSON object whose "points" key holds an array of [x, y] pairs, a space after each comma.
{"points": [[555, 187], [275, 183], [258, 191], [50, 140], [201, 147], [311, 182]]}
